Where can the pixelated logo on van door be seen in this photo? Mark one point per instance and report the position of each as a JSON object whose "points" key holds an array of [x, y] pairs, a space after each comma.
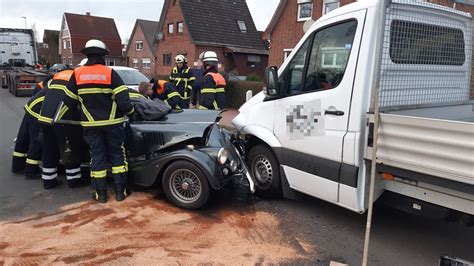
{"points": [[304, 120]]}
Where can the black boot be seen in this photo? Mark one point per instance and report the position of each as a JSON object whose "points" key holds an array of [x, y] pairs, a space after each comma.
{"points": [[121, 192], [18, 164], [49, 184], [32, 171], [78, 182], [100, 196]]}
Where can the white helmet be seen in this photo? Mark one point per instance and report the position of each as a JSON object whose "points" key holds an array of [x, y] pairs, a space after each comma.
{"points": [[83, 62], [180, 59], [94, 46], [209, 56]]}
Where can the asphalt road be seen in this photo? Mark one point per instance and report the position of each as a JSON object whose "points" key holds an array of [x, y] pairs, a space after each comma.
{"points": [[317, 232]]}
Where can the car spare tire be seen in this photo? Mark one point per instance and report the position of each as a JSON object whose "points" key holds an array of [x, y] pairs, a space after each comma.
{"points": [[185, 185]]}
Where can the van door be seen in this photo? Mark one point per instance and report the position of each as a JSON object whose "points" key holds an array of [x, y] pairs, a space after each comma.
{"points": [[311, 119]]}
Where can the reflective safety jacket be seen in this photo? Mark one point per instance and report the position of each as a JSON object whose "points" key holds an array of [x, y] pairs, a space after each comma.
{"points": [[39, 86], [166, 92], [212, 94], [33, 106], [183, 80], [57, 105], [103, 97]]}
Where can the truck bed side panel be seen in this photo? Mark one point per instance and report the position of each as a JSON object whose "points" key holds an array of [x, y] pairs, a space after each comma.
{"points": [[434, 147]]}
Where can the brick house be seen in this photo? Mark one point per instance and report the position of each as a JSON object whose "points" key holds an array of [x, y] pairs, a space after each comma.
{"points": [[286, 26], [48, 51], [141, 48], [191, 27], [77, 29]]}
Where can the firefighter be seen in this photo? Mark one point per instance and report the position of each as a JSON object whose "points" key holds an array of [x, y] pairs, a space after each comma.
{"points": [[212, 94], [41, 85], [182, 78], [27, 151], [166, 92], [104, 100], [62, 140]]}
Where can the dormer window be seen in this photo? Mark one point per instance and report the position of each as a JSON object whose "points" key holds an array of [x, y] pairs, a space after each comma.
{"points": [[242, 26], [138, 45], [305, 10]]}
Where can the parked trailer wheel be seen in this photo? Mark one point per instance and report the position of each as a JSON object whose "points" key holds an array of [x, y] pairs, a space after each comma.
{"points": [[185, 185], [266, 171]]}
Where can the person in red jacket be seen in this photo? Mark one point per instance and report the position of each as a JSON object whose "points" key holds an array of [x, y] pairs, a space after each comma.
{"points": [[212, 94], [166, 92]]}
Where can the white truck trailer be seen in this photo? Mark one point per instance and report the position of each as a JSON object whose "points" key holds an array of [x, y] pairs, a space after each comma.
{"points": [[312, 128], [18, 57]]}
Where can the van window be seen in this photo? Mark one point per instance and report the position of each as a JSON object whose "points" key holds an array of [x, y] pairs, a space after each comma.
{"points": [[296, 68], [419, 43], [329, 56]]}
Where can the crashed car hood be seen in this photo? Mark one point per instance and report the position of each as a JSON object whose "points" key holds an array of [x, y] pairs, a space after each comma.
{"points": [[150, 136]]}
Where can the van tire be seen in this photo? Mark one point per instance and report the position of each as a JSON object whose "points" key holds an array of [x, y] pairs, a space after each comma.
{"points": [[265, 169]]}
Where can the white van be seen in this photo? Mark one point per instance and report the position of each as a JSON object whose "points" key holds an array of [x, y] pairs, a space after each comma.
{"points": [[311, 129]]}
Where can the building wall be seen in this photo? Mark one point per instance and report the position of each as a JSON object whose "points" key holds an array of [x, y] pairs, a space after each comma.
{"points": [[66, 53], [288, 30], [175, 43], [244, 69], [132, 53]]}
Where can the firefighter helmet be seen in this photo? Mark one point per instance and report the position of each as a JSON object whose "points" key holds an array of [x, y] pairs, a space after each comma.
{"points": [[210, 56], [95, 47], [180, 59]]}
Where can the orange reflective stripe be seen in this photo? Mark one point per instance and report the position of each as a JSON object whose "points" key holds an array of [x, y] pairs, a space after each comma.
{"points": [[218, 78], [161, 86], [95, 74], [64, 75]]}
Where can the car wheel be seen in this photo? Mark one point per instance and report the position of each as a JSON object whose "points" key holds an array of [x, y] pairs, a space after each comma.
{"points": [[185, 185], [266, 171]]}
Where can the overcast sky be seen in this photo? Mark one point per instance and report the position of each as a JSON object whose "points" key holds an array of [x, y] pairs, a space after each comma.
{"points": [[47, 14]]}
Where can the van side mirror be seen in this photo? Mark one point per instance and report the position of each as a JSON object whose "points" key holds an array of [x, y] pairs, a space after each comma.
{"points": [[271, 81]]}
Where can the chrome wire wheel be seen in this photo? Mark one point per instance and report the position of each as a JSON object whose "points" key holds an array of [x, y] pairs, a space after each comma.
{"points": [[262, 168], [185, 186]]}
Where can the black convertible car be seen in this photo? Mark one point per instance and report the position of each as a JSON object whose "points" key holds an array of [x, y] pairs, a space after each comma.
{"points": [[188, 152]]}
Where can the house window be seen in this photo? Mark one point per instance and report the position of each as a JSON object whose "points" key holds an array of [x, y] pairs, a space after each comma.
{"points": [[64, 45], [110, 62], [170, 28], [167, 59], [135, 63], [70, 61], [180, 26], [242, 26], [64, 60], [139, 45], [68, 44], [286, 53], [330, 5], [146, 62], [253, 60], [305, 10]]}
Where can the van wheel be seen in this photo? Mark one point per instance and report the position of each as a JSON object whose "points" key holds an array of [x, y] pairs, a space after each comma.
{"points": [[185, 185], [266, 171]]}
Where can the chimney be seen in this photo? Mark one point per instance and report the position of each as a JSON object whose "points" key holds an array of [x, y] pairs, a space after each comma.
{"points": [[88, 13]]}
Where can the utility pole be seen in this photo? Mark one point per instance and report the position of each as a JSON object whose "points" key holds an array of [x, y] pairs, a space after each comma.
{"points": [[25, 21]]}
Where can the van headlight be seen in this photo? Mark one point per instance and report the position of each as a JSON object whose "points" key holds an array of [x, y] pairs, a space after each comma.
{"points": [[222, 156]]}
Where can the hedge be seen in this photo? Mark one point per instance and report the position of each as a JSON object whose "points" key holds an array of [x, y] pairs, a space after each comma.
{"points": [[235, 91]]}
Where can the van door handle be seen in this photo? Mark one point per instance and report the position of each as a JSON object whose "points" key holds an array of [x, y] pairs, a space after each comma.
{"points": [[334, 112]]}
